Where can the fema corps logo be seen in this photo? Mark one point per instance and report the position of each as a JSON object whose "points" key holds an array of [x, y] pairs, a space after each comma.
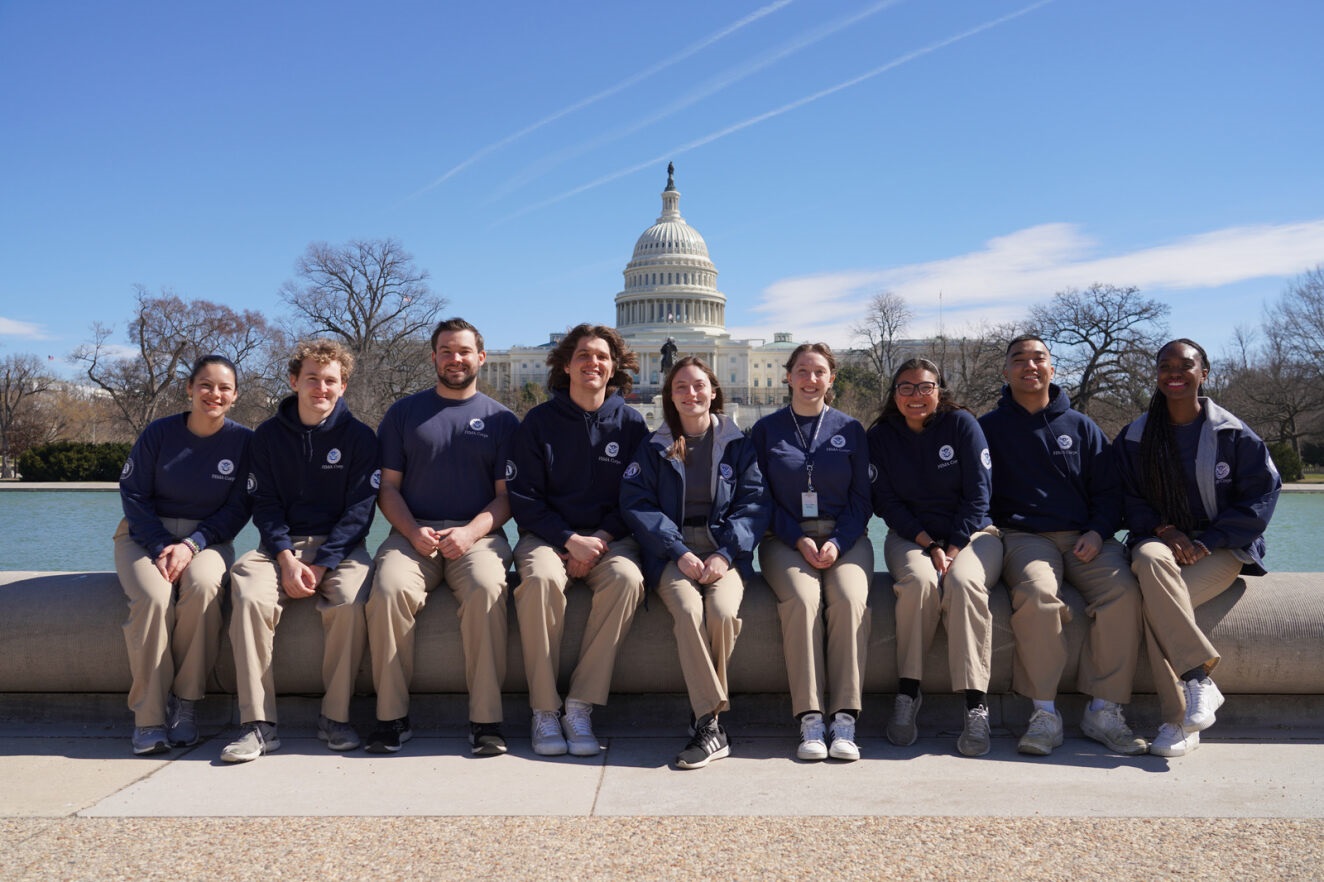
{"points": [[612, 448], [1222, 470], [225, 467], [632, 470], [986, 459], [838, 441], [251, 486], [333, 455], [127, 470], [873, 473], [477, 424], [945, 453], [376, 480], [725, 471], [511, 471], [1064, 442]]}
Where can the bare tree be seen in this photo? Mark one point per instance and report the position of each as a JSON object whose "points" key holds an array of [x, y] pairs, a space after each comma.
{"points": [[22, 379], [880, 331], [368, 295], [1298, 317], [166, 334], [1104, 340], [972, 363]]}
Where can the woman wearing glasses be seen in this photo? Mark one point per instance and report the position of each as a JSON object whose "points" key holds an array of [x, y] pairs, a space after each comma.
{"points": [[931, 485]]}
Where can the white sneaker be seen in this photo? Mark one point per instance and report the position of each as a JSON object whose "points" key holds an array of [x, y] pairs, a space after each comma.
{"points": [[902, 729], [1173, 740], [578, 728], [1043, 734], [1202, 699], [812, 746], [258, 739], [842, 738], [547, 737], [1107, 725]]}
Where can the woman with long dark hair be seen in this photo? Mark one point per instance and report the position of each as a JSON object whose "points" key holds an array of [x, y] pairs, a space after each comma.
{"points": [[1200, 490], [695, 499], [184, 498], [932, 482]]}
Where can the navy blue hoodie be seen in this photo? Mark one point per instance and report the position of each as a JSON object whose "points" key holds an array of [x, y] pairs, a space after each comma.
{"points": [[314, 481], [1052, 470], [564, 475]]}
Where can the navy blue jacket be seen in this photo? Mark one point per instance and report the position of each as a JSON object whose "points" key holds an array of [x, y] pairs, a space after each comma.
{"points": [[1052, 470], [564, 475], [1237, 479], [937, 480], [314, 481], [653, 500], [841, 474]]}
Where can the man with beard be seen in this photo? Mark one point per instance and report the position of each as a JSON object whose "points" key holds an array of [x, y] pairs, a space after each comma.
{"points": [[444, 452]]}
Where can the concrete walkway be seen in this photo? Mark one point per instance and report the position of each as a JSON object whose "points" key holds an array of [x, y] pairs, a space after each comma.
{"points": [[75, 804]]}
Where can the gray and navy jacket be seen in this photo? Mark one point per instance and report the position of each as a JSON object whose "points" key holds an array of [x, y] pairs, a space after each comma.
{"points": [[1237, 481]]}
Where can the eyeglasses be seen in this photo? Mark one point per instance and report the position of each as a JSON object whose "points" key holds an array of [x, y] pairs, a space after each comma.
{"points": [[908, 389]]}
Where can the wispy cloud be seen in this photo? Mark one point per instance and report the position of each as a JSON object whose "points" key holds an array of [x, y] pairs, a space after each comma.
{"points": [[722, 81], [12, 328], [776, 112], [624, 84], [1002, 279]]}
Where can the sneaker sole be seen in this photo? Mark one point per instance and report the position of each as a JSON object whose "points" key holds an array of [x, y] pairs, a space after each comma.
{"points": [[982, 750], [382, 747], [338, 746], [1032, 749], [583, 749], [848, 756], [901, 739], [1171, 752], [720, 753], [812, 755], [161, 747], [488, 749], [1194, 726], [549, 749], [196, 740], [1136, 748], [270, 747]]}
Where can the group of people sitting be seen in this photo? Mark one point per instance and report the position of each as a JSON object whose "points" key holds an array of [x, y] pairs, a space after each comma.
{"points": [[1031, 494]]}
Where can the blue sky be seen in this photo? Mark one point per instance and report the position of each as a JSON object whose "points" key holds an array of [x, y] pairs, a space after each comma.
{"points": [[993, 151]]}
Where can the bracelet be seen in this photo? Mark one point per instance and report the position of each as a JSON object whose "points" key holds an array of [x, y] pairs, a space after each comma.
{"points": [[932, 546], [191, 545], [1200, 545], [1159, 531]]}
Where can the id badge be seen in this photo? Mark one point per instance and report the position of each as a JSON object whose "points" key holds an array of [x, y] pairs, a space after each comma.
{"points": [[809, 504]]}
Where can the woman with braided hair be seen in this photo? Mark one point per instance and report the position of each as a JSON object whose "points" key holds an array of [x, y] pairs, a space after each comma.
{"points": [[1199, 491]]}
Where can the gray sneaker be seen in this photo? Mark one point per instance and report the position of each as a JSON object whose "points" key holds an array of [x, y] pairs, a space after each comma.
{"points": [[975, 738], [150, 739], [181, 722], [337, 735], [1108, 727], [258, 738], [902, 729], [1043, 734], [547, 737], [579, 737]]}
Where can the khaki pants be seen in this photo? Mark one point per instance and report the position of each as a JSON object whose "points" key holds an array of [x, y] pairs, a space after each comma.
{"points": [[401, 582], [173, 635], [1173, 641], [707, 623], [618, 589], [961, 603], [258, 601], [1034, 565], [805, 598]]}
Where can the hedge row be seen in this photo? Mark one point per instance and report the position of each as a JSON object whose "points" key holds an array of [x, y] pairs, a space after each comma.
{"points": [[74, 461]]}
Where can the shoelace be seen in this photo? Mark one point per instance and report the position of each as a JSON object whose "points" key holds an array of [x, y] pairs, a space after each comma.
{"points": [[705, 738], [579, 725], [184, 713], [976, 720], [811, 729], [843, 729], [1042, 723], [1196, 698], [548, 725], [904, 709]]}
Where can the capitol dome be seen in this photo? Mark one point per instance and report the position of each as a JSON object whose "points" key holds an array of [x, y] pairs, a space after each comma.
{"points": [[670, 282]]}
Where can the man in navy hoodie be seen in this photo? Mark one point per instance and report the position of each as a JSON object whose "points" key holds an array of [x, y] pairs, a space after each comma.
{"points": [[564, 481], [314, 485], [1058, 501]]}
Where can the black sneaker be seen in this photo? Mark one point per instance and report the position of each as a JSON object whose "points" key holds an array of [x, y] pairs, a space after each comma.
{"points": [[388, 736], [485, 739], [709, 743]]}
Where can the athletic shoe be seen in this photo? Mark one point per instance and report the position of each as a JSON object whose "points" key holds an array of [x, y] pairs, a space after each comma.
{"points": [[901, 729], [150, 739], [1108, 727], [1173, 740], [181, 722], [258, 738], [389, 735], [1043, 734], [485, 739], [578, 728], [975, 739], [709, 743], [812, 746], [1202, 699], [547, 737], [337, 735], [842, 733]]}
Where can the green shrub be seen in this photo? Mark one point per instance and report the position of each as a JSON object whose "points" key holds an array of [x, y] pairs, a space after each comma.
{"points": [[74, 461], [1287, 460]]}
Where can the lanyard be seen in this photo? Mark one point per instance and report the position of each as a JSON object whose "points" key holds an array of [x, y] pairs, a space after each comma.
{"points": [[809, 446]]}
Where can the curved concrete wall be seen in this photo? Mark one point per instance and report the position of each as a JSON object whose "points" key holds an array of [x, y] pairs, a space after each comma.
{"points": [[60, 633]]}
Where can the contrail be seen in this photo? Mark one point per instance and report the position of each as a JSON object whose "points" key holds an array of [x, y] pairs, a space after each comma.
{"points": [[785, 108], [606, 93], [726, 79]]}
